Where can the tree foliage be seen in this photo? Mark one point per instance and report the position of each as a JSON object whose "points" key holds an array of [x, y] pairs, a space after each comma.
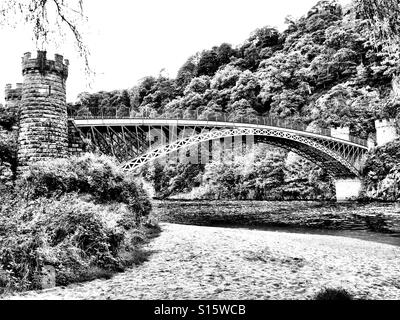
{"points": [[383, 19]]}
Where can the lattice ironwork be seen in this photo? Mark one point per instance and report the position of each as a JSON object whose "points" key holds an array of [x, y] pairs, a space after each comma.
{"points": [[130, 141], [340, 159], [228, 118]]}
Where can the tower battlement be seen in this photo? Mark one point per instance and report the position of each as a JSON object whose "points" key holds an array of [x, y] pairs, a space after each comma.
{"points": [[13, 93], [41, 64], [381, 123]]}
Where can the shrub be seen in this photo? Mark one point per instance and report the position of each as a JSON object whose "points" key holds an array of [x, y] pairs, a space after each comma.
{"points": [[97, 176], [333, 294], [81, 240], [81, 215], [8, 118], [8, 149], [382, 172]]}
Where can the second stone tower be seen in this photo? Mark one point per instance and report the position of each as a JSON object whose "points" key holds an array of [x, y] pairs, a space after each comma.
{"points": [[43, 131]]}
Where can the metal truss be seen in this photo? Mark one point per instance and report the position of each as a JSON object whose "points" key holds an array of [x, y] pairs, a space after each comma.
{"points": [[339, 157]]}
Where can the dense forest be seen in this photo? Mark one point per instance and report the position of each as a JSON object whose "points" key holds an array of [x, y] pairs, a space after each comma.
{"points": [[325, 69]]}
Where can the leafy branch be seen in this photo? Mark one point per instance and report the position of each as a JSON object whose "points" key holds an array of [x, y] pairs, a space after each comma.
{"points": [[49, 20]]}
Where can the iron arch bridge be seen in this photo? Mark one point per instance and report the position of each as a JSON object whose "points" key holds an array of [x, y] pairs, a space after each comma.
{"points": [[137, 141]]}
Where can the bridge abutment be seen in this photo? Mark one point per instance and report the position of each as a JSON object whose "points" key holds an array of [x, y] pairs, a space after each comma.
{"points": [[385, 131], [348, 189]]}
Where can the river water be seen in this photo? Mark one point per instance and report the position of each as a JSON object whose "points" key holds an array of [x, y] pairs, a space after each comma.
{"points": [[377, 222]]}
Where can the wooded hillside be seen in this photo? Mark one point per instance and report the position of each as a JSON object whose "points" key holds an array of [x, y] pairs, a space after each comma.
{"points": [[323, 69]]}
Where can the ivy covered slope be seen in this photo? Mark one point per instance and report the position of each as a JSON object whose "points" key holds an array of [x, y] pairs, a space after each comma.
{"points": [[323, 69]]}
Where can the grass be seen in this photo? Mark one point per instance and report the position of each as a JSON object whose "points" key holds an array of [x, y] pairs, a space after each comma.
{"points": [[133, 257]]}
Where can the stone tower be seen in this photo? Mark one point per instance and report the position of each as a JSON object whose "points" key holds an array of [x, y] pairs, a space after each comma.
{"points": [[13, 97], [385, 131], [43, 131]]}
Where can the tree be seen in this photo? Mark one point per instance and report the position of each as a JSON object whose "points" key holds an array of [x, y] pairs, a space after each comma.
{"points": [[383, 18], [224, 53], [247, 87], [8, 149], [208, 63], [241, 111], [346, 105], [187, 72], [251, 51], [49, 20]]}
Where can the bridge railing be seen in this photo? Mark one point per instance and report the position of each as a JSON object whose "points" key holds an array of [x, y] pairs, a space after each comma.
{"points": [[98, 113]]}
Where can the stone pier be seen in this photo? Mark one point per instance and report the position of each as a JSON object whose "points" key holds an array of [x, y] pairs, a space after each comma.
{"points": [[348, 189], [385, 131]]}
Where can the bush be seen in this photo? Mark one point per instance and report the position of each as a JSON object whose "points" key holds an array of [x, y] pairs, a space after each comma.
{"points": [[333, 294], [382, 172], [81, 240], [8, 118], [8, 149], [97, 176], [82, 216]]}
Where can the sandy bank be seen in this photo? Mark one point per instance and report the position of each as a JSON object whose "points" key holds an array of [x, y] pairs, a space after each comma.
{"points": [[193, 262]]}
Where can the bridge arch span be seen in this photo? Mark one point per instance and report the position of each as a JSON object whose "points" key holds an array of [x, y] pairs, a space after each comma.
{"points": [[338, 158]]}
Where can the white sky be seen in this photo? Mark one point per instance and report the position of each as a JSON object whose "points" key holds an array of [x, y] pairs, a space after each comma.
{"points": [[129, 39]]}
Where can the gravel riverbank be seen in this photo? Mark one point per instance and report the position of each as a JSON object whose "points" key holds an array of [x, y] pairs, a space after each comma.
{"points": [[195, 262]]}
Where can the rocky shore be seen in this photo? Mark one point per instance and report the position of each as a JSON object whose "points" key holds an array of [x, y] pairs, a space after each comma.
{"points": [[194, 262]]}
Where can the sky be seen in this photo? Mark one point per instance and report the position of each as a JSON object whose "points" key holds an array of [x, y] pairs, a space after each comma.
{"points": [[131, 39]]}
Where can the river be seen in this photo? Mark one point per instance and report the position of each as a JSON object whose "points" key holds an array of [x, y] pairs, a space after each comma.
{"points": [[377, 222]]}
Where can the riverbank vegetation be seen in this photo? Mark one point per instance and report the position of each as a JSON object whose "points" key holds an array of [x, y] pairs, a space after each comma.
{"points": [[265, 173], [81, 218], [328, 68], [382, 173]]}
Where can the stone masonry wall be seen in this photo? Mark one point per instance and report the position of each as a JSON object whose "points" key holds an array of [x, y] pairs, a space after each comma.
{"points": [[75, 141], [43, 131]]}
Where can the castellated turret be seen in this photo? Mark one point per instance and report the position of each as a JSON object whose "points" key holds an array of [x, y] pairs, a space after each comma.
{"points": [[43, 130], [385, 131]]}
